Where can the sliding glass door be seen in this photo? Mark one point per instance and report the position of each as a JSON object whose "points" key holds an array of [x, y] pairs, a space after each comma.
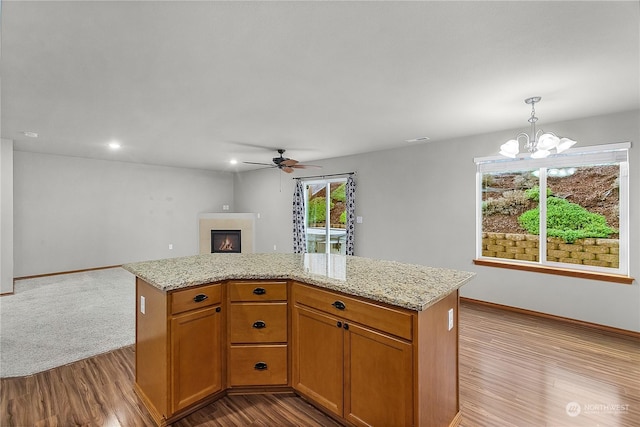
{"points": [[326, 216]]}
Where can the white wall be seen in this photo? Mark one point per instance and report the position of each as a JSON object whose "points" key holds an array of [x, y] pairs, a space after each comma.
{"points": [[426, 193], [6, 216], [73, 213], [269, 194]]}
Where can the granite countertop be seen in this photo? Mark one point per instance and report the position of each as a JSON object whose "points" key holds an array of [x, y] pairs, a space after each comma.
{"points": [[410, 286]]}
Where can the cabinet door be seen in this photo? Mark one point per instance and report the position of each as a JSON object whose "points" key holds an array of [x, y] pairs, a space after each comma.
{"points": [[317, 345], [378, 379], [196, 356]]}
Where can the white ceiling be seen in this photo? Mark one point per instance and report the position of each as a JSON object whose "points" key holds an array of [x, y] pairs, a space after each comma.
{"points": [[194, 84]]}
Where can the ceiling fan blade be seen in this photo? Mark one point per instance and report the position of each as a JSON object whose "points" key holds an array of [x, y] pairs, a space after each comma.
{"points": [[301, 166], [288, 162], [254, 163], [287, 169]]}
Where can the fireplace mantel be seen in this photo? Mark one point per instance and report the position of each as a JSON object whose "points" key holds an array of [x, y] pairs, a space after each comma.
{"points": [[226, 221]]}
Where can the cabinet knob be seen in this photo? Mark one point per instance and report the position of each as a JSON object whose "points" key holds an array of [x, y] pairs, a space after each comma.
{"points": [[339, 324], [339, 305], [200, 297], [259, 291], [346, 326], [260, 366], [218, 309], [259, 324]]}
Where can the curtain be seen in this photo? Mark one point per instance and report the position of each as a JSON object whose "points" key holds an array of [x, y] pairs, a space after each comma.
{"points": [[299, 230], [351, 213]]}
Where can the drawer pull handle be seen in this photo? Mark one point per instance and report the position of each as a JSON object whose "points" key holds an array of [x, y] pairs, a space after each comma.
{"points": [[339, 305], [260, 366], [259, 291], [200, 298], [259, 324]]}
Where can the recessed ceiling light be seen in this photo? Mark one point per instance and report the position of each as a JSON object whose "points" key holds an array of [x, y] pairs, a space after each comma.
{"points": [[420, 139], [114, 145], [30, 134], [233, 161]]}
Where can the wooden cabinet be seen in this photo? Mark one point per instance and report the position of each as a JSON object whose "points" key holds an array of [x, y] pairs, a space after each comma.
{"points": [[361, 372], [196, 356], [196, 345], [318, 357], [262, 322], [365, 363], [179, 348], [373, 364], [258, 334], [378, 378]]}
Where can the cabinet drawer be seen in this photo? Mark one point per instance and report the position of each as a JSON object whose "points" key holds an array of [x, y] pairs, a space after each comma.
{"points": [[258, 291], [193, 298], [386, 319], [258, 365], [258, 322]]}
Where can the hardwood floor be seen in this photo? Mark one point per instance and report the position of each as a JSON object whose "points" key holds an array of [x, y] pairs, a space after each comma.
{"points": [[515, 370], [99, 392], [522, 370]]}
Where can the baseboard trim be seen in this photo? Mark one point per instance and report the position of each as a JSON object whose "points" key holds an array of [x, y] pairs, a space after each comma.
{"points": [[609, 329], [65, 272]]}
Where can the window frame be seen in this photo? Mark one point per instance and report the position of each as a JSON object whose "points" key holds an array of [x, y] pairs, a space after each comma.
{"points": [[587, 156], [327, 183]]}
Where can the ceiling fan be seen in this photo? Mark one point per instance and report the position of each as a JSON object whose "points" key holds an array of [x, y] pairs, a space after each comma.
{"points": [[284, 164]]}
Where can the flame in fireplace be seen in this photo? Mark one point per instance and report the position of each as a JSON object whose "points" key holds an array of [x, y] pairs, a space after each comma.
{"points": [[226, 245]]}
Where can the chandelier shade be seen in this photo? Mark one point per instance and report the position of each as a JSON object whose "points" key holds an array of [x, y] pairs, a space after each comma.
{"points": [[547, 141], [564, 144], [539, 144], [510, 148]]}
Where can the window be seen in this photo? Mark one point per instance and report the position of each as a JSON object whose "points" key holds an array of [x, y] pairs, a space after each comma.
{"points": [[569, 211], [326, 216]]}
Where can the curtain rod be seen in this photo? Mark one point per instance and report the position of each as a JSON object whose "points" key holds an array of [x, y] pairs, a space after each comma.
{"points": [[324, 176]]}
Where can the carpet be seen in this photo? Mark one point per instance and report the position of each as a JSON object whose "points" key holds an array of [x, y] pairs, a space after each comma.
{"points": [[55, 320]]}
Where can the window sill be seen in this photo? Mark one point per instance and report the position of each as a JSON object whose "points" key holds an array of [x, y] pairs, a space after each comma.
{"points": [[616, 278]]}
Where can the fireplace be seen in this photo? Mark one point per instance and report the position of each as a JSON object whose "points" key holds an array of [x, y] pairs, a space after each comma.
{"points": [[226, 241]]}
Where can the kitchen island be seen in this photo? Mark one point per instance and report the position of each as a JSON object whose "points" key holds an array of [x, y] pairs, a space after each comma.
{"points": [[369, 342]]}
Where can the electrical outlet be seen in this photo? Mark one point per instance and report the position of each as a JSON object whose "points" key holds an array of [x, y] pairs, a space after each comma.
{"points": [[142, 304], [450, 318], [170, 246], [225, 207], [359, 219], [274, 247]]}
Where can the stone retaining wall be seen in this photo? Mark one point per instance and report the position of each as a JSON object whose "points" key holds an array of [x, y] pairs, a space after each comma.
{"points": [[590, 251], [324, 224]]}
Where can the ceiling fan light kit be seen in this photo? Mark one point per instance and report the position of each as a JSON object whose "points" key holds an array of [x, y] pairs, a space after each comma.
{"points": [[283, 163], [540, 144]]}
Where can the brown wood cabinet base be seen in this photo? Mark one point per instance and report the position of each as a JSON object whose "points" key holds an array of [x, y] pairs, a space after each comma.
{"points": [[361, 362], [162, 421]]}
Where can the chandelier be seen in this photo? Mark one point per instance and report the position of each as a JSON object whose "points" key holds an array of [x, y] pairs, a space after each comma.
{"points": [[540, 143]]}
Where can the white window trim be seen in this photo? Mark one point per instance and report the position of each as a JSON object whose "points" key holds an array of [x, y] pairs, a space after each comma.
{"points": [[618, 152]]}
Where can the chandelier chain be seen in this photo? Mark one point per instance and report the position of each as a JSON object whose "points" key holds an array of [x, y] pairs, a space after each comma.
{"points": [[533, 117]]}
